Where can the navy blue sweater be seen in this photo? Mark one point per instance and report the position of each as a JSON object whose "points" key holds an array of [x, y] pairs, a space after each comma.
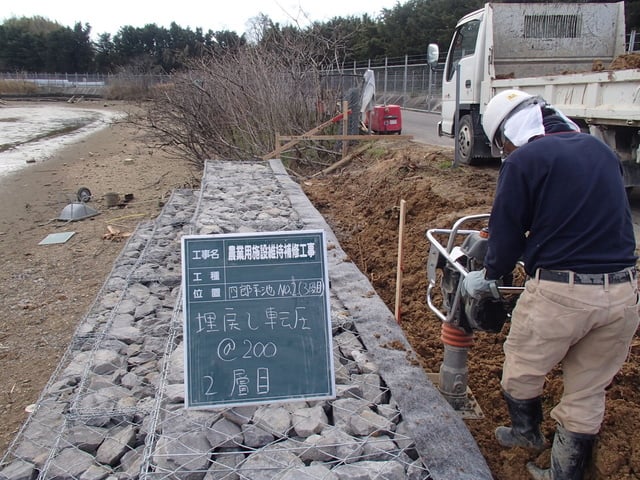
{"points": [[560, 204]]}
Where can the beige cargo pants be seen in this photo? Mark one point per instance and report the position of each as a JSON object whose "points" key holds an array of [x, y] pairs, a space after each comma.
{"points": [[586, 327]]}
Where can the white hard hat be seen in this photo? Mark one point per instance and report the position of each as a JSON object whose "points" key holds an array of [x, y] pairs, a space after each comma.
{"points": [[498, 109]]}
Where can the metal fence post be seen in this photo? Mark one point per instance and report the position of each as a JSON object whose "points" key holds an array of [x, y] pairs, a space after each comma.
{"points": [[404, 87], [386, 64]]}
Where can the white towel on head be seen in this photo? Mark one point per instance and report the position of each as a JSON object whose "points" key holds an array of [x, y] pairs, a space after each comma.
{"points": [[524, 124]]}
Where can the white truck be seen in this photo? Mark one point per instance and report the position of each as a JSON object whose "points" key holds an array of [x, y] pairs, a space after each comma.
{"points": [[561, 51]]}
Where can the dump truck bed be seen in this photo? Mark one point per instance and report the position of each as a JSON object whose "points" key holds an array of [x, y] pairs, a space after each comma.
{"points": [[611, 97], [528, 40]]}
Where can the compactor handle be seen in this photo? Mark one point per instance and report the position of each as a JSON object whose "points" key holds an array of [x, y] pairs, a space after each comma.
{"points": [[451, 253]]}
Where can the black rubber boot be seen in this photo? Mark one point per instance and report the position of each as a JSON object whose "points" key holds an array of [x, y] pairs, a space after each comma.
{"points": [[526, 417], [570, 455]]}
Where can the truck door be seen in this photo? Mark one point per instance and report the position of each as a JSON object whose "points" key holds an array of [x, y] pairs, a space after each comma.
{"points": [[461, 51]]}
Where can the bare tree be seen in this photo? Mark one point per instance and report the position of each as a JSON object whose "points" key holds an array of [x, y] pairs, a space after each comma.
{"points": [[230, 104]]}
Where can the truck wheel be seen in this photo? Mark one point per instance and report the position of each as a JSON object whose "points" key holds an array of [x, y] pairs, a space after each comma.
{"points": [[465, 140]]}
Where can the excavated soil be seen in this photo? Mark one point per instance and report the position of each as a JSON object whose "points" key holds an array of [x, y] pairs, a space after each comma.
{"points": [[361, 203], [625, 61]]}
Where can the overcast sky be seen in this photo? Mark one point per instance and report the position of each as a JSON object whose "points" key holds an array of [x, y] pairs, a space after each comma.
{"points": [[107, 16]]}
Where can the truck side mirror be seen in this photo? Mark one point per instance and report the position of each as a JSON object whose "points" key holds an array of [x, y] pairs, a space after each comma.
{"points": [[433, 53]]}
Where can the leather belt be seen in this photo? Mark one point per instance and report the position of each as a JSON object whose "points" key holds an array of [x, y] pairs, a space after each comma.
{"points": [[562, 276]]}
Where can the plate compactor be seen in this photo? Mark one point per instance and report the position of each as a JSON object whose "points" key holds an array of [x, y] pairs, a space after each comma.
{"points": [[453, 253]]}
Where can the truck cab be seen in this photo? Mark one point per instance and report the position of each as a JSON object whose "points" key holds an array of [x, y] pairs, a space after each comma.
{"points": [[548, 52], [464, 61]]}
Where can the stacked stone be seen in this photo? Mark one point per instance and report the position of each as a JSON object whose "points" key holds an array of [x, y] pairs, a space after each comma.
{"points": [[357, 435], [114, 408]]}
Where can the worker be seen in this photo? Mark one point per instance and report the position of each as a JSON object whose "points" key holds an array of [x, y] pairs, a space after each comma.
{"points": [[561, 209], [368, 100]]}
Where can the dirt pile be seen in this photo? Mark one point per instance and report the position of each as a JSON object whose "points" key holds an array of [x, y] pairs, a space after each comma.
{"points": [[626, 61], [361, 203]]}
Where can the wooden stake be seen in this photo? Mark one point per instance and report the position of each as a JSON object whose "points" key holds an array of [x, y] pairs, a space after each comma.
{"points": [[342, 162], [399, 267], [296, 140], [278, 151], [345, 126]]}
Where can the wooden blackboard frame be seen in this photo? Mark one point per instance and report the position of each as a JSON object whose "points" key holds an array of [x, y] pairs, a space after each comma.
{"points": [[256, 318]]}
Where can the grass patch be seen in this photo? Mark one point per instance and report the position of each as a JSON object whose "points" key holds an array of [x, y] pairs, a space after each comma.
{"points": [[13, 87], [376, 152]]}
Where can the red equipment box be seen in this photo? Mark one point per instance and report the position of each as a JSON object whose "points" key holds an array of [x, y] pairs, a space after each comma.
{"points": [[386, 119]]}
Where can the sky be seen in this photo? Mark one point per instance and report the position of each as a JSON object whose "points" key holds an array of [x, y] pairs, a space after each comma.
{"points": [[107, 16]]}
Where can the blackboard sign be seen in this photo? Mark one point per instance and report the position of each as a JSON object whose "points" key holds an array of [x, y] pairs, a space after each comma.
{"points": [[257, 325]]}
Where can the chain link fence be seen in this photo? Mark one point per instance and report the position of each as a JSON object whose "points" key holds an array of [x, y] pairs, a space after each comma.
{"points": [[410, 85]]}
